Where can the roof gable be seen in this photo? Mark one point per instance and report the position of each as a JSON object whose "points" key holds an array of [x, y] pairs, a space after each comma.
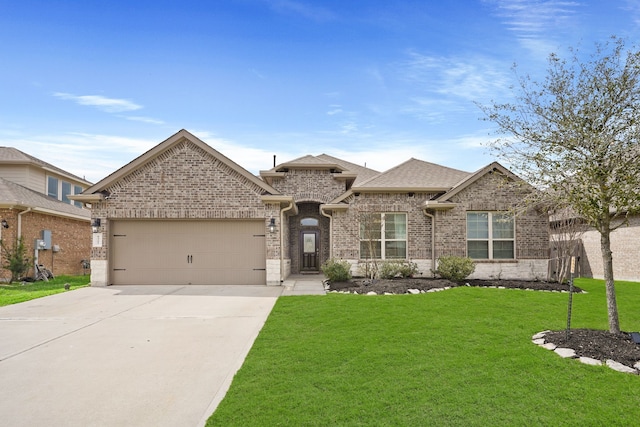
{"points": [[94, 192], [474, 177], [416, 175]]}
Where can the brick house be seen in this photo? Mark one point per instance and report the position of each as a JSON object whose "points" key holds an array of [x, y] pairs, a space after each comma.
{"points": [[35, 204], [183, 213]]}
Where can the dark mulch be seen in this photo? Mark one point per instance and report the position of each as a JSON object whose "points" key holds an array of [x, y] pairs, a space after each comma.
{"points": [[401, 286], [597, 344]]}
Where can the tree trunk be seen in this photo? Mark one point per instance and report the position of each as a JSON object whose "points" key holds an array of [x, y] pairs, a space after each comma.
{"points": [[607, 262]]}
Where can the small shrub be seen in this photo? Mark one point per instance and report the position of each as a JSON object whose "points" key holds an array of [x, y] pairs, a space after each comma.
{"points": [[15, 259], [455, 268], [404, 269], [336, 270]]}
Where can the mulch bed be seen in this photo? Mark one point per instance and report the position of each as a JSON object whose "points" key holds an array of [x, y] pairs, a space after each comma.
{"points": [[596, 344], [401, 286]]}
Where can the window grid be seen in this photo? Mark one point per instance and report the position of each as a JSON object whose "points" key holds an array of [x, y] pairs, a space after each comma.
{"points": [[384, 236], [490, 235]]}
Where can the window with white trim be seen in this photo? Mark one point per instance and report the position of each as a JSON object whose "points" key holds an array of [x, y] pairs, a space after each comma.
{"points": [[490, 235], [383, 236]]}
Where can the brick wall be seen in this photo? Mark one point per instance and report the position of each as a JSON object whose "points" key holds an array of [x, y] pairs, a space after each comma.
{"points": [[73, 237], [184, 182], [310, 185], [346, 225], [625, 245]]}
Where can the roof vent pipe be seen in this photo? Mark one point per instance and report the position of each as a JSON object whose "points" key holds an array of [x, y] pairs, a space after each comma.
{"points": [[274, 160]]}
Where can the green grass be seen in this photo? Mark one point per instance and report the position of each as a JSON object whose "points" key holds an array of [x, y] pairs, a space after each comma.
{"points": [[15, 292], [461, 357]]}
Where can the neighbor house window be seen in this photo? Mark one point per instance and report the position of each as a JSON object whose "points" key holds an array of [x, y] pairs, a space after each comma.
{"points": [[77, 190], [52, 187], [490, 235], [383, 236], [66, 191]]}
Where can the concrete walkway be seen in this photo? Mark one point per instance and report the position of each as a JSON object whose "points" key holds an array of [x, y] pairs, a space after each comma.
{"points": [[126, 356], [304, 284]]}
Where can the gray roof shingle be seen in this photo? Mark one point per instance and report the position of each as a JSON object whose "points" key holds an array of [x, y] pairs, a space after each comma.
{"points": [[13, 194], [417, 175]]}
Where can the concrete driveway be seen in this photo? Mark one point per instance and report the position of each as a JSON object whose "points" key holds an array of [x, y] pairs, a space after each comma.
{"points": [[126, 356]]}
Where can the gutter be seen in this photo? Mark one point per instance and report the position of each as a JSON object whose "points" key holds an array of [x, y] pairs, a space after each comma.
{"points": [[282, 211], [20, 220], [323, 213], [433, 238]]}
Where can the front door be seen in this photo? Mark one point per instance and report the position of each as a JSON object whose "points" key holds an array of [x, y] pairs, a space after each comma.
{"points": [[309, 244]]}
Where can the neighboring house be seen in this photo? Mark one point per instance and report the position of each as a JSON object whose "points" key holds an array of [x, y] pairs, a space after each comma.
{"points": [[624, 247], [183, 213], [34, 204]]}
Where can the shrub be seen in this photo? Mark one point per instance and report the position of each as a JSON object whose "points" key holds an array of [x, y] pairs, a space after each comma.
{"points": [[391, 269], [455, 268], [15, 259], [336, 270]]}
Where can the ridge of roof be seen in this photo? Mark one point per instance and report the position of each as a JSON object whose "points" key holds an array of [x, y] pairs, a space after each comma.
{"points": [[363, 173], [415, 174], [473, 177], [14, 155], [17, 195]]}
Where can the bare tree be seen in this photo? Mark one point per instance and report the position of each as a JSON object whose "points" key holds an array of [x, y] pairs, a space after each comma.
{"points": [[575, 136], [566, 236]]}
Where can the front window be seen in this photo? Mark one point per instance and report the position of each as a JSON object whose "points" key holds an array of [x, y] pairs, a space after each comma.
{"points": [[52, 187], [383, 236], [490, 235]]}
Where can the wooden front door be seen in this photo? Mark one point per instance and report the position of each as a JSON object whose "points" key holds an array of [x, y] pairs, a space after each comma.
{"points": [[309, 253]]}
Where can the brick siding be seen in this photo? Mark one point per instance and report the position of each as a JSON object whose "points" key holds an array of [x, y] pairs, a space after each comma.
{"points": [[73, 237]]}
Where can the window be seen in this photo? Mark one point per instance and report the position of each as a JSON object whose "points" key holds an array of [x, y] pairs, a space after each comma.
{"points": [[52, 187], [383, 236], [77, 190], [490, 235], [66, 191], [309, 222]]}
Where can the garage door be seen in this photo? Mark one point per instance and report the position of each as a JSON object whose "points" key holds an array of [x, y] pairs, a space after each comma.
{"points": [[187, 252]]}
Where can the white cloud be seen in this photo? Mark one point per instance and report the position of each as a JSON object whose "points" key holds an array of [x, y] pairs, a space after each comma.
{"points": [[306, 10], [537, 23], [110, 105], [144, 120]]}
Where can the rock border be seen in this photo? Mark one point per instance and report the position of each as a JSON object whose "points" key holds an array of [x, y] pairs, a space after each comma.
{"points": [[428, 291], [569, 353]]}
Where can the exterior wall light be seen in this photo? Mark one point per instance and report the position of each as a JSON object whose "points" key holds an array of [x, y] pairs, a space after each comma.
{"points": [[4, 223], [272, 225], [95, 224]]}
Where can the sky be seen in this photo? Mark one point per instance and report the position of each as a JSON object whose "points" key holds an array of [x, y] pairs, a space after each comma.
{"points": [[90, 85]]}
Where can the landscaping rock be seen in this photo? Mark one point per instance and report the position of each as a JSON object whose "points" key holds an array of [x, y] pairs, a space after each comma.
{"points": [[549, 346], [590, 361], [371, 293], [538, 341], [413, 291], [539, 335], [565, 352], [616, 366]]}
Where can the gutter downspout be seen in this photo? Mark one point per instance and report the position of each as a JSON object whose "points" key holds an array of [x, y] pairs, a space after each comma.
{"points": [[282, 211], [433, 238], [323, 213], [20, 221]]}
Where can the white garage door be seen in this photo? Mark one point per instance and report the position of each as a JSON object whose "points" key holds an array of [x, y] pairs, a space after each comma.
{"points": [[149, 252]]}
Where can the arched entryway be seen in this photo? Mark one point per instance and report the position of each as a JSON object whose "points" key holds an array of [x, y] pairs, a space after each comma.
{"points": [[309, 239]]}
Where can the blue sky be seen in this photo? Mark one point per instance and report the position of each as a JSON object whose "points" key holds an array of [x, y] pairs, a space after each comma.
{"points": [[89, 85]]}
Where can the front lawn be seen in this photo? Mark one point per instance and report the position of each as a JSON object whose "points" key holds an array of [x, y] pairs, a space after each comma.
{"points": [[16, 292], [459, 357]]}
